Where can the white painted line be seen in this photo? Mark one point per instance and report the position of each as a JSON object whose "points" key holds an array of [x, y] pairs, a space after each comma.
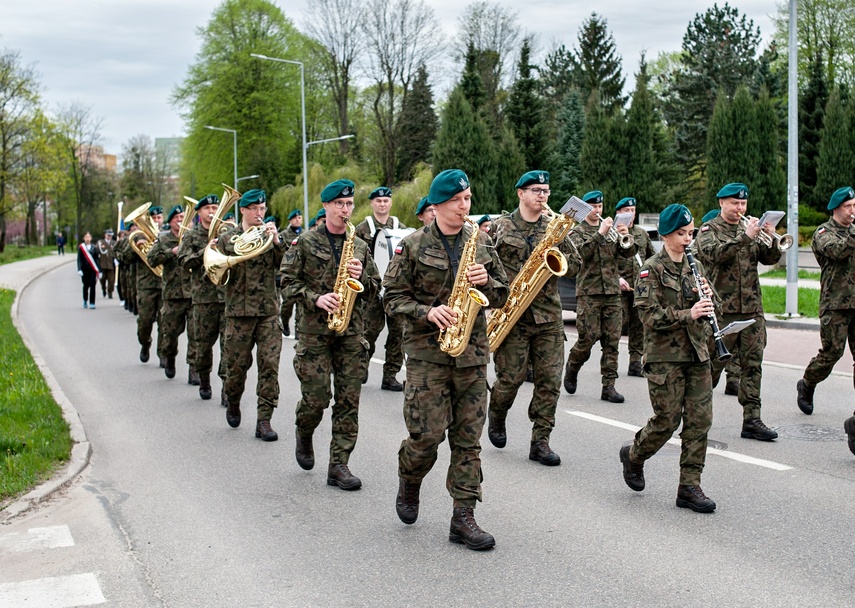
{"points": [[775, 466], [52, 592], [37, 538]]}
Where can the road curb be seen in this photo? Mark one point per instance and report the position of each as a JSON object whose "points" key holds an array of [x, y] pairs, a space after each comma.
{"points": [[802, 324], [81, 451]]}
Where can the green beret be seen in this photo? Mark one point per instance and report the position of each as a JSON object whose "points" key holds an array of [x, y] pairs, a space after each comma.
{"points": [[270, 218], [129, 225], [340, 188], [211, 199], [321, 213], [173, 212], [228, 216], [484, 218], [710, 215], [252, 197], [445, 185], [294, 214], [625, 202], [673, 217], [423, 204], [594, 197], [381, 191], [155, 210], [312, 222], [533, 177], [734, 190], [840, 196]]}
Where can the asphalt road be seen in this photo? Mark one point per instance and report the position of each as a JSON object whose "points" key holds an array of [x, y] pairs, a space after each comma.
{"points": [[177, 509]]}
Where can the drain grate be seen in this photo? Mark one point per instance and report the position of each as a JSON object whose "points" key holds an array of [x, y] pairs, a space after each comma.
{"points": [[811, 432]]}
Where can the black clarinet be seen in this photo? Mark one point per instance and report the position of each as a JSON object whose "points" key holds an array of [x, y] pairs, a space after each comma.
{"points": [[720, 348]]}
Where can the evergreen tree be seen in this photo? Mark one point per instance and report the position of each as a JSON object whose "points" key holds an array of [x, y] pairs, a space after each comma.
{"points": [[418, 127], [557, 78], [719, 144], [733, 145], [524, 112], [598, 159], [769, 187], [836, 163], [471, 84], [811, 112], [597, 63], [510, 164], [565, 165], [641, 167]]}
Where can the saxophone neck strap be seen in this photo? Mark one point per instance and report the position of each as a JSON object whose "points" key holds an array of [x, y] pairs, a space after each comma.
{"points": [[453, 252], [334, 246]]}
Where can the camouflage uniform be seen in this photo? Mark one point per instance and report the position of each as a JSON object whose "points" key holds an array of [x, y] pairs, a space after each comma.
{"points": [[127, 272], [375, 317], [288, 236], [598, 300], [676, 365], [538, 336], [628, 270], [309, 270], [442, 393], [209, 303], [731, 257], [834, 247], [252, 308], [175, 311], [149, 298]]}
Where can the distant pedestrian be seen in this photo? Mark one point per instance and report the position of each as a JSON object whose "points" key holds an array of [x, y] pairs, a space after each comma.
{"points": [[87, 268], [60, 243]]}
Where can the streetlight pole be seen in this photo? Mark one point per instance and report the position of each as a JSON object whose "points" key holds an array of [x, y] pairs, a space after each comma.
{"points": [[792, 292], [234, 134]]}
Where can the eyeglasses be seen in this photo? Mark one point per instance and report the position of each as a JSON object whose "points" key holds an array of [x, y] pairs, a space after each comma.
{"points": [[343, 204], [539, 191]]}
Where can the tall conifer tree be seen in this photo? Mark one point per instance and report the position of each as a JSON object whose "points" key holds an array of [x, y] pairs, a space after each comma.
{"points": [[598, 64], [524, 112], [836, 163], [565, 164], [418, 127], [811, 113]]}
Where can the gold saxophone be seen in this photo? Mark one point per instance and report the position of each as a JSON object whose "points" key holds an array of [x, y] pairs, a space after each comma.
{"points": [[545, 261], [345, 286], [143, 240], [465, 300]]}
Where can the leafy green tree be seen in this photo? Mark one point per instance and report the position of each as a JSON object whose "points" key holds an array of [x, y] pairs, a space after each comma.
{"points": [[812, 104], [524, 112], [565, 166], [836, 163], [598, 64], [418, 127]]}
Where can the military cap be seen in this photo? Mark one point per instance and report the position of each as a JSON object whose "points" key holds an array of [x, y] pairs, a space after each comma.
{"points": [[228, 216], [381, 191], [270, 218], [533, 177], [312, 222], [109, 231], [321, 213], [594, 197], [734, 190], [155, 210], [445, 185], [673, 217], [625, 202], [294, 214], [840, 196], [340, 188], [423, 204], [173, 212], [252, 197], [129, 225], [710, 215], [484, 218], [211, 199]]}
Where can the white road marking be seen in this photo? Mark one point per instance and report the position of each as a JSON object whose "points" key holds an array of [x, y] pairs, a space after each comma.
{"points": [[775, 466], [37, 538], [52, 592]]}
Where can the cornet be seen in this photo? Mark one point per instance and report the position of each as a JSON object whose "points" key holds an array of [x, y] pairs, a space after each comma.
{"points": [[781, 242], [625, 241]]}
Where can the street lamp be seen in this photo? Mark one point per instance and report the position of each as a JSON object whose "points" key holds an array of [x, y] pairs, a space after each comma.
{"points": [[240, 179], [323, 141], [234, 134]]}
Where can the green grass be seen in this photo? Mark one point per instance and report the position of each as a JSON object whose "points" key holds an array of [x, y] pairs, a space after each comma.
{"points": [[775, 298], [34, 437], [781, 273], [13, 253]]}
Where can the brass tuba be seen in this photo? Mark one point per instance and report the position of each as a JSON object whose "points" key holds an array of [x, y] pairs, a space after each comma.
{"points": [[189, 214], [345, 286], [218, 224], [143, 240]]}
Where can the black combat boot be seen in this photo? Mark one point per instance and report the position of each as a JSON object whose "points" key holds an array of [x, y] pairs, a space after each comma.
{"points": [[264, 431], [169, 368], [805, 396], [496, 431], [339, 475], [144, 352], [692, 497], [205, 391], [754, 428], [633, 473], [407, 501], [465, 531], [571, 376], [193, 376], [635, 369], [390, 383], [849, 427], [233, 414], [542, 453], [732, 388], [304, 452], [611, 395]]}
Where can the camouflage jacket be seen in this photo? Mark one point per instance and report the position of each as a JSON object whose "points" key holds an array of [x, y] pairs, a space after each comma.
{"points": [[251, 290], [146, 279], [834, 248], [664, 295], [191, 254], [599, 274], [515, 239], [628, 267], [309, 270], [731, 257], [124, 253], [176, 279], [420, 277], [288, 235], [363, 229]]}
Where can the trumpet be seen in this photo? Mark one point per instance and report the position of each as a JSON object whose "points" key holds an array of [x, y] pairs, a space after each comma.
{"points": [[625, 241], [781, 242]]}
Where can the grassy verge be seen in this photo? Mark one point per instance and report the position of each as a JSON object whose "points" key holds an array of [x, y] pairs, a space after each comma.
{"points": [[775, 298], [13, 253], [781, 273], [34, 437]]}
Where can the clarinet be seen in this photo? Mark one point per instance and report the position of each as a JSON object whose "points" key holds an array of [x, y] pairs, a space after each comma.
{"points": [[720, 348]]}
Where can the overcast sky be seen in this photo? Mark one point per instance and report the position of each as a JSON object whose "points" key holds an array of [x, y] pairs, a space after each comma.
{"points": [[124, 57]]}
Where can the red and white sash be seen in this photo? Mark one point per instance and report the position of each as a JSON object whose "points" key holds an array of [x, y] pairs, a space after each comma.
{"points": [[90, 259]]}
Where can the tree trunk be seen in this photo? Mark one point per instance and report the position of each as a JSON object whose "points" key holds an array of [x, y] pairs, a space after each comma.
{"points": [[2, 232]]}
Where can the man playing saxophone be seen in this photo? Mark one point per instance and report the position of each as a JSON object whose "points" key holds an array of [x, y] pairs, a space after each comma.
{"points": [[444, 393], [309, 274], [538, 336]]}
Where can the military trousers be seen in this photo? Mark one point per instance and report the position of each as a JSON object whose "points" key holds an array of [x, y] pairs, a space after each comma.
{"points": [[241, 336], [316, 357], [148, 305], [209, 322], [679, 392], [108, 281], [543, 346], [632, 327], [174, 318], [835, 328], [749, 344], [440, 398], [598, 318], [375, 319]]}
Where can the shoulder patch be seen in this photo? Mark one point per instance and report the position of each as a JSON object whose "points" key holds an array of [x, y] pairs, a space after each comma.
{"points": [[820, 231], [294, 242], [642, 291], [643, 274], [399, 249], [704, 228]]}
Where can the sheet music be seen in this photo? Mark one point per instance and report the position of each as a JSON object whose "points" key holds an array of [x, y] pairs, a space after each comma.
{"points": [[576, 208], [735, 327], [624, 219], [773, 217]]}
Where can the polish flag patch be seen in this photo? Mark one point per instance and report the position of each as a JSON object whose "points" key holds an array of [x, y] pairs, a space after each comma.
{"points": [[643, 274], [704, 228], [294, 242], [820, 231], [399, 249]]}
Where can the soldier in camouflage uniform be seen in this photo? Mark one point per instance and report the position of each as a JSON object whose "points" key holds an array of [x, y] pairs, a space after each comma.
{"points": [[149, 298], [425, 212], [209, 300], [375, 317], [127, 268], [443, 393], [730, 255], [288, 236], [252, 317], [538, 337], [676, 361], [598, 315], [628, 269], [175, 310], [309, 270]]}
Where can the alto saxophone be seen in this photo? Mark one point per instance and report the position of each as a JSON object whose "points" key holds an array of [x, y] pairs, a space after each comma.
{"points": [[345, 286], [465, 300]]}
